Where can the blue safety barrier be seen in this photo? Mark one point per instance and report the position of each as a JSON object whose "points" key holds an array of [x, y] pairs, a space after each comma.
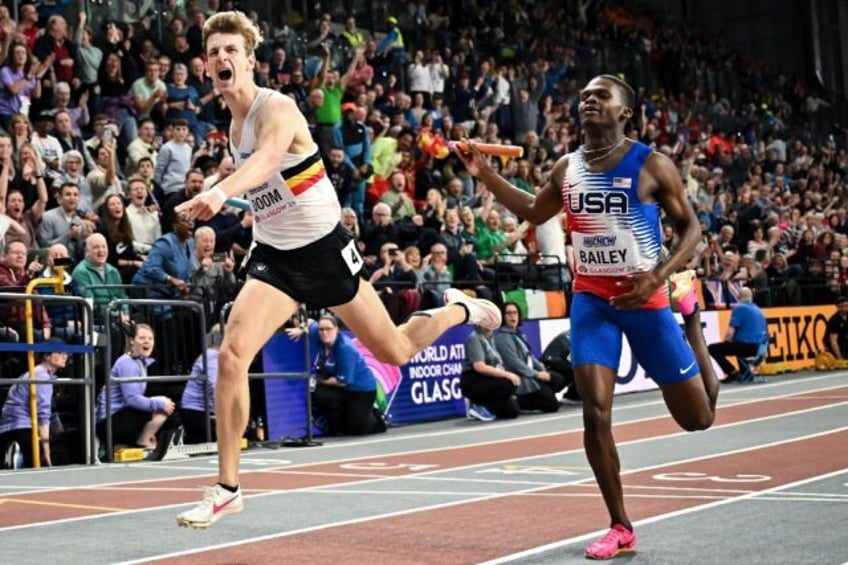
{"points": [[46, 347]]}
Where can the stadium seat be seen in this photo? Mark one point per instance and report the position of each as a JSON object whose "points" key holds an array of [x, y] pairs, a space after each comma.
{"points": [[748, 365]]}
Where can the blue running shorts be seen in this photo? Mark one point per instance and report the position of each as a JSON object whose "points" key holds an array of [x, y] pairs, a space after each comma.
{"points": [[656, 340]]}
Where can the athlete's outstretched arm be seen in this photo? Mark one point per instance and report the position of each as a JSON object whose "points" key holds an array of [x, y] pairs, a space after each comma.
{"points": [[671, 194], [536, 209], [276, 123]]}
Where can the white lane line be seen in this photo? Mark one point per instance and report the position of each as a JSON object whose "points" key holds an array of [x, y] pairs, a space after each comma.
{"points": [[659, 517], [537, 419], [486, 497], [442, 449], [461, 468], [493, 494]]}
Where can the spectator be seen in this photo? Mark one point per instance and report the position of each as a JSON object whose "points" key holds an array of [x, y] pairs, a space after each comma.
{"points": [[15, 274], [345, 389], [435, 278], [116, 100], [361, 76], [378, 231], [203, 85], [55, 45], [15, 418], [65, 224], [9, 228], [104, 179], [342, 174], [538, 387], [48, 147], [491, 238], [116, 228], [199, 393], [489, 389], [103, 129], [557, 360], [396, 283], [352, 135], [183, 102], [21, 78], [28, 25], [213, 281], [351, 34], [550, 243], [79, 116], [144, 222], [13, 198], [65, 318], [433, 210], [143, 146], [225, 168], [836, 334], [192, 185], [745, 333], [329, 114], [70, 141], [351, 222], [174, 160], [420, 79], [30, 171], [89, 58], [397, 198], [136, 418], [93, 272], [21, 132], [155, 195], [169, 261], [460, 246]]}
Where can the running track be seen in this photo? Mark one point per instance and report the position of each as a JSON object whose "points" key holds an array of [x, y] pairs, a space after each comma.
{"points": [[464, 492]]}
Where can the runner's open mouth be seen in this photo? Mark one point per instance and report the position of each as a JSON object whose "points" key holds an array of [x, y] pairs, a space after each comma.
{"points": [[225, 74]]}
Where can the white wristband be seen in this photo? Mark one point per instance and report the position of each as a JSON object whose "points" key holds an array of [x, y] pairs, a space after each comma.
{"points": [[219, 192]]}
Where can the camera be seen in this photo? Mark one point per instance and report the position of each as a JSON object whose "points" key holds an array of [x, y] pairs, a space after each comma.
{"points": [[394, 252], [219, 257]]}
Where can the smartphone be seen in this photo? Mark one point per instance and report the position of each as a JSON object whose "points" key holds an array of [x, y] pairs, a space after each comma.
{"points": [[107, 134], [219, 257]]}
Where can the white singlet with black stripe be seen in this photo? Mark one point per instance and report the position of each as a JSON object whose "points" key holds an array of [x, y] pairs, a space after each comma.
{"points": [[297, 206]]}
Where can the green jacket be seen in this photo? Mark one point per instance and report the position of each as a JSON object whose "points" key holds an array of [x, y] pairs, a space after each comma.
{"points": [[85, 277]]}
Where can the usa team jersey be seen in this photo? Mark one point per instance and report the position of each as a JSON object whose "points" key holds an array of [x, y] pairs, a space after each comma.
{"points": [[613, 233]]}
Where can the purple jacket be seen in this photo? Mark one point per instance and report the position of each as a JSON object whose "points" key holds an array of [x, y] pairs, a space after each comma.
{"points": [[15, 412], [193, 393], [128, 394], [11, 103]]}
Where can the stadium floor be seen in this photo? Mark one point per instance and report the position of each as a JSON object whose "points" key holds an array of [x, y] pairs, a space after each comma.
{"points": [[767, 484]]}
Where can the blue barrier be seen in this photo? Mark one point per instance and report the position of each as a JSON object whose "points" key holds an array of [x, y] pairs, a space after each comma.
{"points": [[46, 347]]}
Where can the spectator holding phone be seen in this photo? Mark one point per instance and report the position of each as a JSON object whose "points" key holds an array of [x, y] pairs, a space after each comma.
{"points": [[213, 280]]}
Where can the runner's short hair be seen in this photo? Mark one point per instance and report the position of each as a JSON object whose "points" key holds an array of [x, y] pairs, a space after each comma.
{"points": [[236, 23], [627, 91]]}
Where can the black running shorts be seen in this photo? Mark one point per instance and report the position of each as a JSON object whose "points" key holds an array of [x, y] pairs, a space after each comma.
{"points": [[322, 274]]}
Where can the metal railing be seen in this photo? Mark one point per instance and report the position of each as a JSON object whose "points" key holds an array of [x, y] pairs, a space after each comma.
{"points": [[116, 306], [87, 349], [307, 439]]}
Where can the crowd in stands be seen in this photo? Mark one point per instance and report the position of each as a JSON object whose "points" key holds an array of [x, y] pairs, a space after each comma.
{"points": [[106, 129]]}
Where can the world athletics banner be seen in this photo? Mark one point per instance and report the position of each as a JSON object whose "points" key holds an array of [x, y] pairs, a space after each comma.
{"points": [[426, 388]]}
